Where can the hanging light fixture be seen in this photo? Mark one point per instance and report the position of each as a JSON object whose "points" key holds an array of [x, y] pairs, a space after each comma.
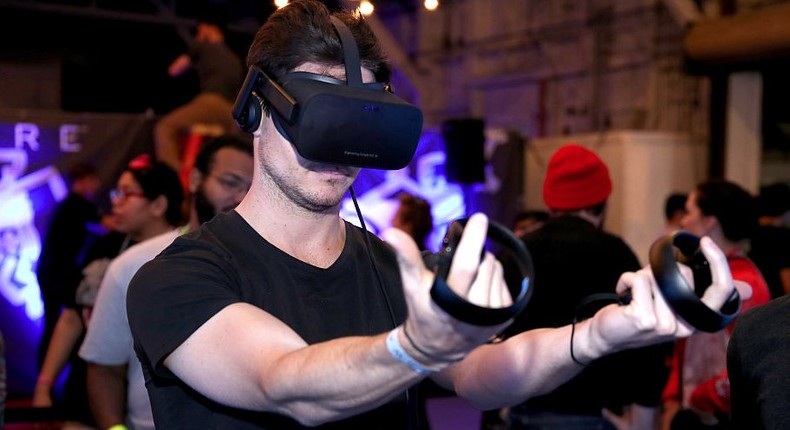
{"points": [[431, 5], [365, 7]]}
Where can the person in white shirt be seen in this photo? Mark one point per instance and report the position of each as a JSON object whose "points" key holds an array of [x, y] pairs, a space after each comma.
{"points": [[116, 388]]}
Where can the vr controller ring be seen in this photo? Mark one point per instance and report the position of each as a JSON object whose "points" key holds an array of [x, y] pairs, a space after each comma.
{"points": [[460, 308], [683, 299]]}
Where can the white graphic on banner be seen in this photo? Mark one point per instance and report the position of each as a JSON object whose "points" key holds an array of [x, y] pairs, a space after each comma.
{"points": [[378, 204], [20, 243]]}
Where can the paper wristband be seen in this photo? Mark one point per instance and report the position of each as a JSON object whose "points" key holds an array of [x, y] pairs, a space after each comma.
{"points": [[396, 350]]}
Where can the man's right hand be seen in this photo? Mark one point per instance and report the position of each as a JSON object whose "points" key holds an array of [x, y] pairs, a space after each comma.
{"points": [[480, 282]]}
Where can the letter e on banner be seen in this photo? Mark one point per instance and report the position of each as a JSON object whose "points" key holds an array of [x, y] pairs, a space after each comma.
{"points": [[69, 139]]}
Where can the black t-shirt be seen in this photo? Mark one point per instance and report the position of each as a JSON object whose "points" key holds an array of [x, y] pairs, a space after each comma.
{"points": [[573, 260], [758, 364], [226, 262]]}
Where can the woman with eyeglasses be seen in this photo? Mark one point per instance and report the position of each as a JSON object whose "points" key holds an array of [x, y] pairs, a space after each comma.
{"points": [[146, 202]]}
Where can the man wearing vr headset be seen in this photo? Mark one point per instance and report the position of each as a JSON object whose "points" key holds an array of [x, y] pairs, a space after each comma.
{"points": [[281, 315]]}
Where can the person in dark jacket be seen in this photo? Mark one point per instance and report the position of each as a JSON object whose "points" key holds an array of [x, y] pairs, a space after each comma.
{"points": [[574, 259], [59, 267]]}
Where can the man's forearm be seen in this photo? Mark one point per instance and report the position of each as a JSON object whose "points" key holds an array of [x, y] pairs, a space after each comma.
{"points": [[314, 384], [529, 364], [64, 338], [107, 394]]}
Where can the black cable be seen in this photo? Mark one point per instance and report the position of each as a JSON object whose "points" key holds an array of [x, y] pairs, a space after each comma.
{"points": [[411, 393], [592, 298], [372, 260]]}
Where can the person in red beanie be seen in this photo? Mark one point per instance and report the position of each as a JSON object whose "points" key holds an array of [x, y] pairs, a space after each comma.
{"points": [[575, 258], [576, 179]]}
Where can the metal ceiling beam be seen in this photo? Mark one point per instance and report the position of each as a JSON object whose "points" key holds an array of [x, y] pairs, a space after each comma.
{"points": [[165, 14], [94, 11]]}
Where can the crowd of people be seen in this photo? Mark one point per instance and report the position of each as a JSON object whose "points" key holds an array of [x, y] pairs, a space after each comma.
{"points": [[248, 302], [146, 202]]}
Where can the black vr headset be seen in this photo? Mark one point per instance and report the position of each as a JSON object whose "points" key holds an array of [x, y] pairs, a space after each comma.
{"points": [[331, 121]]}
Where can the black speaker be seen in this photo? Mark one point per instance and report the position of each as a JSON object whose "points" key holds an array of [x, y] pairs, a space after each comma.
{"points": [[463, 143]]}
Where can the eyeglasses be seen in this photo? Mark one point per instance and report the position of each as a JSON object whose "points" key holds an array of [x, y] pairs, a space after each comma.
{"points": [[116, 194], [232, 184]]}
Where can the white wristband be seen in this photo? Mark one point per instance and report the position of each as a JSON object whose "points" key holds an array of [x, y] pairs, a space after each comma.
{"points": [[397, 351]]}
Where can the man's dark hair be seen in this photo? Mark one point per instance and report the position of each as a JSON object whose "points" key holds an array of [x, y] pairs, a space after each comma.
{"points": [[416, 212], [732, 205], [205, 158], [674, 202], [303, 32]]}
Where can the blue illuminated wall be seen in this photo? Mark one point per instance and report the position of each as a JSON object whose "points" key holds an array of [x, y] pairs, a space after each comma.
{"points": [[499, 196], [35, 149], [377, 190]]}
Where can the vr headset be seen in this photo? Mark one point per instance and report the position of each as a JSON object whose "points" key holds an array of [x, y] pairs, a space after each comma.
{"points": [[331, 121]]}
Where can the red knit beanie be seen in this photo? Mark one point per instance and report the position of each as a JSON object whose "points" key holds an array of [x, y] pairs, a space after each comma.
{"points": [[575, 178]]}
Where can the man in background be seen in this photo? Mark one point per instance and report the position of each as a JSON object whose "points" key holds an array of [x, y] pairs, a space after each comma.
{"points": [[574, 258], [219, 72], [116, 388]]}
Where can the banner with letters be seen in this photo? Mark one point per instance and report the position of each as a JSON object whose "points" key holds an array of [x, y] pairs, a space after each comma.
{"points": [[36, 148]]}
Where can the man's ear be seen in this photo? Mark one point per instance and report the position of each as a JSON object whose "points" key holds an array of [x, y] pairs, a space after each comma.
{"points": [[159, 205], [195, 179]]}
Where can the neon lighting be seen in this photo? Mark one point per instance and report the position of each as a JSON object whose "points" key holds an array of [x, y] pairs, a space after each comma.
{"points": [[377, 191], [20, 243]]}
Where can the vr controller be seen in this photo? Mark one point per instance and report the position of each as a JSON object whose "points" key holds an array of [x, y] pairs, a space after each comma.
{"points": [[665, 253], [685, 301], [463, 310], [332, 121]]}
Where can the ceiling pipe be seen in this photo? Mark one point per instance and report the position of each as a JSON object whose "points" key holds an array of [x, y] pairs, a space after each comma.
{"points": [[747, 37]]}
